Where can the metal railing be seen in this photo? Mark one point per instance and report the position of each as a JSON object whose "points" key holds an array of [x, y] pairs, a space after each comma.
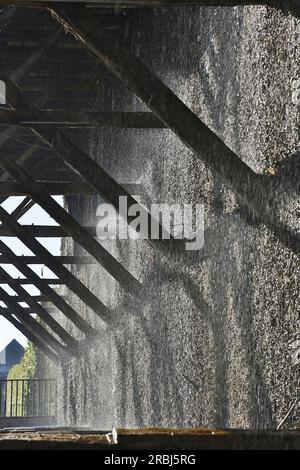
{"points": [[27, 398]]}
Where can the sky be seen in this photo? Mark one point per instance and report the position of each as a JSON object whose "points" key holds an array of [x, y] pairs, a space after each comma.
{"points": [[36, 216]]}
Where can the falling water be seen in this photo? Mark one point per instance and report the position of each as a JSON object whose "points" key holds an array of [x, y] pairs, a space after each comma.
{"points": [[209, 341]]}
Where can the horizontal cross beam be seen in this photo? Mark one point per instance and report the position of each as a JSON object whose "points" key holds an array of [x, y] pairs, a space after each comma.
{"points": [[22, 282], [45, 231], [81, 119], [12, 188], [59, 259]]}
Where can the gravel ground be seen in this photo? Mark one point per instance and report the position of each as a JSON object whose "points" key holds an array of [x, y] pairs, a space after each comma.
{"points": [[208, 342]]}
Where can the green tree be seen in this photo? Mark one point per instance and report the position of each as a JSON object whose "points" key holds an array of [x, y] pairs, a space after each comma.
{"points": [[26, 369], [17, 393]]}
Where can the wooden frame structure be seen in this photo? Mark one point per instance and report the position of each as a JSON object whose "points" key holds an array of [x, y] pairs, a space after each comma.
{"points": [[32, 117]]}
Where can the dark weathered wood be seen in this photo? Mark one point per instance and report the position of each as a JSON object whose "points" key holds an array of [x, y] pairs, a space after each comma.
{"points": [[6, 16], [30, 335], [34, 58], [32, 301], [59, 269], [32, 324], [22, 208], [48, 281], [27, 259], [28, 311], [96, 177], [136, 3], [42, 285], [44, 231], [71, 226], [83, 119], [12, 188]]}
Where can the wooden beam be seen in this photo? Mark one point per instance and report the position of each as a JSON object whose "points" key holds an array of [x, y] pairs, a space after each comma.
{"points": [[12, 188], [81, 119], [33, 59], [102, 182], [71, 226], [48, 281], [45, 231], [136, 3], [28, 311], [59, 269], [51, 294], [250, 187], [58, 259]]}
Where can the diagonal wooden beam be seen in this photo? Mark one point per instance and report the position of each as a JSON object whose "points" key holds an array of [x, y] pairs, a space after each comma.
{"points": [[42, 285], [60, 270], [95, 176], [24, 296], [22, 208], [250, 187], [71, 226]]}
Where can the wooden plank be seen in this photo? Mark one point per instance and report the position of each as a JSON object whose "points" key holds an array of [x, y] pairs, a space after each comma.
{"points": [[45, 231], [12, 188], [45, 280], [139, 120], [59, 259]]}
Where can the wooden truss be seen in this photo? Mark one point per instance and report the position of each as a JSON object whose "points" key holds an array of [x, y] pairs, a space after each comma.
{"points": [[75, 172]]}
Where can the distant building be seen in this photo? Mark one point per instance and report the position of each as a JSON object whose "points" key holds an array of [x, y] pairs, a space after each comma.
{"points": [[9, 356]]}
